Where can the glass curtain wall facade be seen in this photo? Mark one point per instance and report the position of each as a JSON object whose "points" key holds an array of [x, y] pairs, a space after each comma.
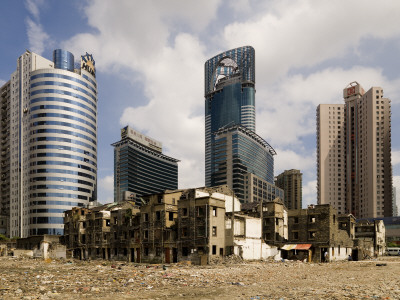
{"points": [[237, 152], [141, 168], [53, 129], [259, 190], [229, 96]]}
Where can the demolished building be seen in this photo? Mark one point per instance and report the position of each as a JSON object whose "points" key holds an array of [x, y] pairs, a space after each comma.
{"points": [[370, 238], [315, 234], [204, 224]]}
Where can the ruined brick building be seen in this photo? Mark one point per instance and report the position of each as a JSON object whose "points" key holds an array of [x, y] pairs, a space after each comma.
{"points": [[204, 224]]}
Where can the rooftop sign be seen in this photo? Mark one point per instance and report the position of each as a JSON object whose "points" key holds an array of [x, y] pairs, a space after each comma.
{"points": [[88, 63], [128, 132]]}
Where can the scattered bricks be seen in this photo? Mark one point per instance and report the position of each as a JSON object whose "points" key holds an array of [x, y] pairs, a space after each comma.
{"points": [[35, 279]]}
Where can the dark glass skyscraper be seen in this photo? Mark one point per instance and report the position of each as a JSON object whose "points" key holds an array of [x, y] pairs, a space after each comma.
{"points": [[140, 167], [229, 95], [232, 147]]}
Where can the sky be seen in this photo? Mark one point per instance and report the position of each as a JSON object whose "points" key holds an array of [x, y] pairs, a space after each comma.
{"points": [[150, 59]]}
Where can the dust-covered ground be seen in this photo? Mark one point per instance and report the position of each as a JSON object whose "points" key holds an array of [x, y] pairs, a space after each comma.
{"points": [[67, 279]]}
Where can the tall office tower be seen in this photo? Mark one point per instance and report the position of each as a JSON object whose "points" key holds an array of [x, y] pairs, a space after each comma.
{"points": [[51, 133], [140, 167], [291, 183], [232, 148], [354, 153], [239, 151], [229, 96]]}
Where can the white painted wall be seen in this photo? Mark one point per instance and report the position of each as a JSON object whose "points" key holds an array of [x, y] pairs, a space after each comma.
{"points": [[254, 249], [335, 255], [253, 228]]}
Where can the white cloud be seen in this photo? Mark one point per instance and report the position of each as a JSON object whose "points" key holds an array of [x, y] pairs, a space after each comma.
{"points": [[141, 38], [174, 114], [2, 82], [105, 189], [288, 159], [395, 157], [293, 34], [38, 38], [159, 42], [309, 193], [287, 108], [132, 34], [33, 8]]}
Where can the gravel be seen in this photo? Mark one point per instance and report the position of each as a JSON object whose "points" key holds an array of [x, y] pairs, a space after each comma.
{"points": [[26, 278]]}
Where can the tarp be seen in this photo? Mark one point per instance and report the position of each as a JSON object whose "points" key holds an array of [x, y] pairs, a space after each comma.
{"points": [[289, 247], [296, 247]]}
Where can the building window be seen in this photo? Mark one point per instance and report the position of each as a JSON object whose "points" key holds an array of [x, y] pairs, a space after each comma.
{"points": [[214, 212], [184, 232], [185, 251], [158, 215], [200, 211], [170, 216], [145, 217], [312, 219], [214, 231], [201, 231], [145, 234], [312, 234], [146, 251], [214, 250], [184, 212], [295, 235]]}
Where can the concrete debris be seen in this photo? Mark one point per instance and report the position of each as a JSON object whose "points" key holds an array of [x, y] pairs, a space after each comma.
{"points": [[28, 278]]}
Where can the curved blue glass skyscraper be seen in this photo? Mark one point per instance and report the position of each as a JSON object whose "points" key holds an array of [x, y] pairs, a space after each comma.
{"points": [[230, 104], [52, 138], [229, 95]]}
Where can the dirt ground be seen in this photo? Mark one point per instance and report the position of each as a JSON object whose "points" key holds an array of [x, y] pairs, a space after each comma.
{"points": [[24, 278]]}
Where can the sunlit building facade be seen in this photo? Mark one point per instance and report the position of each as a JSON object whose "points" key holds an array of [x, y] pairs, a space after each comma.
{"points": [[52, 138], [354, 153], [291, 183]]}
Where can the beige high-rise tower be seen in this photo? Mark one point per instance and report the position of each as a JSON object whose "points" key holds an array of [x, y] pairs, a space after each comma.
{"points": [[291, 183], [354, 153]]}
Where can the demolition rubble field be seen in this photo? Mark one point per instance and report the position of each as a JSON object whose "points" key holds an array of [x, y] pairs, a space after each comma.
{"points": [[24, 278]]}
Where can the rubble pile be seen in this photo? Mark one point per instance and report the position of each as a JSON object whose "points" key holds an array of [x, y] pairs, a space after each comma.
{"points": [[37, 279]]}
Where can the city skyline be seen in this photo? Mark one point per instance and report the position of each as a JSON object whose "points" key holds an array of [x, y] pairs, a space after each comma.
{"points": [[306, 54]]}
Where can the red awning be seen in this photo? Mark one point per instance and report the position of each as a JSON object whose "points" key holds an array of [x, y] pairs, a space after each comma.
{"points": [[296, 247], [303, 246]]}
